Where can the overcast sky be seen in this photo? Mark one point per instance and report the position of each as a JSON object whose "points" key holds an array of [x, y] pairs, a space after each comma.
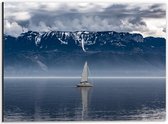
{"points": [[147, 19]]}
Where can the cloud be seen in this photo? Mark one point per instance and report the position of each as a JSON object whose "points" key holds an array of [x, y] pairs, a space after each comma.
{"points": [[13, 28], [22, 16], [86, 16]]}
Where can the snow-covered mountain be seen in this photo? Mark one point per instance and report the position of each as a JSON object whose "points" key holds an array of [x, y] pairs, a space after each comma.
{"points": [[32, 52], [86, 41]]}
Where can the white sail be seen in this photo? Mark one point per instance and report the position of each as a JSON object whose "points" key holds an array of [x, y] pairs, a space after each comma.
{"points": [[85, 73]]}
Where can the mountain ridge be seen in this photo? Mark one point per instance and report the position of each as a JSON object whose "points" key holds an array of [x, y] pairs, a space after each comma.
{"points": [[55, 52], [81, 40]]}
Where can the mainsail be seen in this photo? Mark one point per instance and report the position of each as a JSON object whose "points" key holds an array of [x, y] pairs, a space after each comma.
{"points": [[84, 80], [85, 73]]}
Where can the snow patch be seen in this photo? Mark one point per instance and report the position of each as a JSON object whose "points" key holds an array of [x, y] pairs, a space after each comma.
{"points": [[63, 42], [37, 40], [83, 46]]}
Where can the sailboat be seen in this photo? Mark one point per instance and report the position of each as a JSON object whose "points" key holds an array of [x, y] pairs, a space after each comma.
{"points": [[84, 80]]}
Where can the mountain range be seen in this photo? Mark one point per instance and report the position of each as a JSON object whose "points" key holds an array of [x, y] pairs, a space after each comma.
{"points": [[45, 52], [86, 41]]}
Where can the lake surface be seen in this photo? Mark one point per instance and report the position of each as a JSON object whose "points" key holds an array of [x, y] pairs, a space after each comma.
{"points": [[60, 100]]}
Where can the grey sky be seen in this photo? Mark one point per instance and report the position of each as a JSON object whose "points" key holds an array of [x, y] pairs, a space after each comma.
{"points": [[147, 19]]}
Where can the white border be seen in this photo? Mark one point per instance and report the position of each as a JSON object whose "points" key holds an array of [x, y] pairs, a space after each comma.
{"points": [[117, 1]]}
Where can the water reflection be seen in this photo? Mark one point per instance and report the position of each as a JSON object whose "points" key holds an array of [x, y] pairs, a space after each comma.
{"points": [[85, 101]]}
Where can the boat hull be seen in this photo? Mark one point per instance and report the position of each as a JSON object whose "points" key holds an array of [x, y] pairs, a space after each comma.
{"points": [[84, 85]]}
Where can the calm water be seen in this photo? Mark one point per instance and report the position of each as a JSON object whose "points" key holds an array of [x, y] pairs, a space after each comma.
{"points": [[59, 99]]}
